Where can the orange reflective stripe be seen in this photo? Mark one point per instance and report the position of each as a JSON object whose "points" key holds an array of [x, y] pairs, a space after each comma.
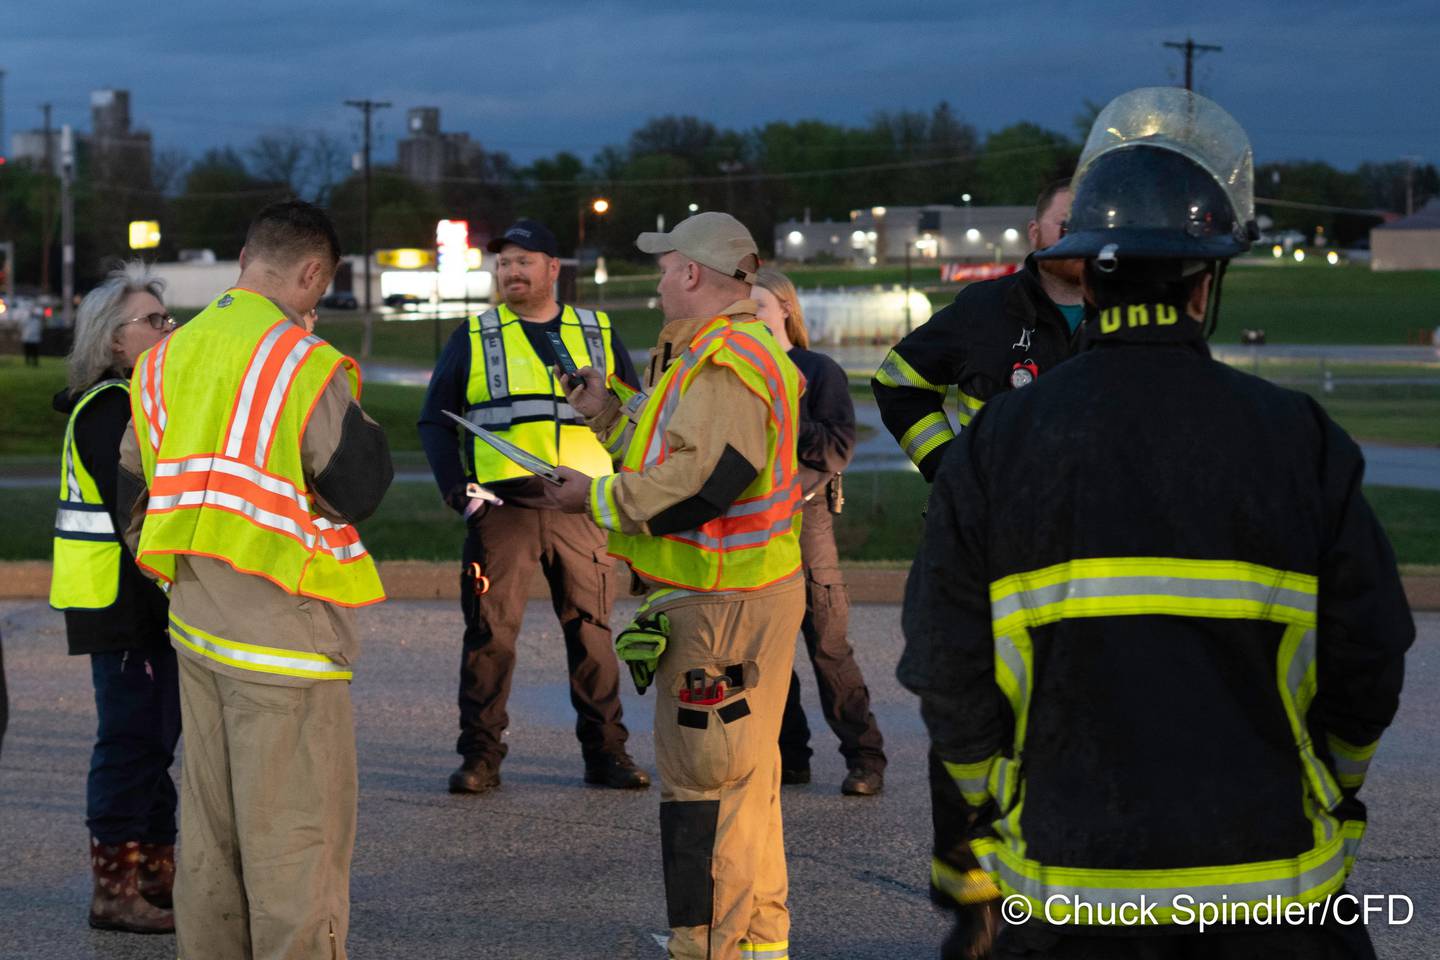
{"points": [[264, 389], [262, 498], [152, 398]]}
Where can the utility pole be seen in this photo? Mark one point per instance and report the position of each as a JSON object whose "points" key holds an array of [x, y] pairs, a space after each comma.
{"points": [[1410, 183], [2, 113], [67, 226], [1190, 48], [47, 209], [367, 107]]}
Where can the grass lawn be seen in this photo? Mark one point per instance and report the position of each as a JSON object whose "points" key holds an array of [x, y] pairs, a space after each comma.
{"points": [[881, 521], [1318, 303]]}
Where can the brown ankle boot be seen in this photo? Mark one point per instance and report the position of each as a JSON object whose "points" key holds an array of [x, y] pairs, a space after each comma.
{"points": [[117, 903], [157, 874]]}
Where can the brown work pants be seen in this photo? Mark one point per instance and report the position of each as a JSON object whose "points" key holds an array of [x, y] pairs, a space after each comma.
{"points": [[267, 818], [509, 543], [721, 837]]}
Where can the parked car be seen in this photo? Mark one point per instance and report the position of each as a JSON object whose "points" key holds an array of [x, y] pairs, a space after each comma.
{"points": [[402, 301], [340, 300]]}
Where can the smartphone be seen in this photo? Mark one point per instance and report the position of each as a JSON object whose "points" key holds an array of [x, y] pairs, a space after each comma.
{"points": [[562, 354]]}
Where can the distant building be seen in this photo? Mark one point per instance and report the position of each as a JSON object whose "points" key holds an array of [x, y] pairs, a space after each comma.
{"points": [[119, 152], [1410, 243], [933, 232], [428, 154]]}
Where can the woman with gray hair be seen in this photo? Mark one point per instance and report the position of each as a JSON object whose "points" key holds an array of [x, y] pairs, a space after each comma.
{"points": [[116, 615]]}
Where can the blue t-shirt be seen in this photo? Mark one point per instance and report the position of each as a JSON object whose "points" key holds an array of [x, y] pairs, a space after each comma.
{"points": [[1073, 313]]}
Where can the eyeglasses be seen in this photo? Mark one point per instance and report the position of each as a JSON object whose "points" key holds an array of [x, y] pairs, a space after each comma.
{"points": [[157, 321]]}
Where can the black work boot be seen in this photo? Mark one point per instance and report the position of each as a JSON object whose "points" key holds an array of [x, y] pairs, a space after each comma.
{"points": [[794, 776], [862, 782], [475, 776], [617, 771]]}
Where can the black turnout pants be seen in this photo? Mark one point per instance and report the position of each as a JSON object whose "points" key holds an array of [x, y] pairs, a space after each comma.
{"points": [[508, 542], [844, 698]]}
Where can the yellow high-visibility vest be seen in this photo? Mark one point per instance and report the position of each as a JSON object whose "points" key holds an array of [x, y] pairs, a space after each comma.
{"points": [[513, 393], [219, 408], [756, 541], [85, 574]]}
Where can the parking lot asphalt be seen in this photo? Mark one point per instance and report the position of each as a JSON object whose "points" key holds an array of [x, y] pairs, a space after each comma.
{"points": [[546, 867]]}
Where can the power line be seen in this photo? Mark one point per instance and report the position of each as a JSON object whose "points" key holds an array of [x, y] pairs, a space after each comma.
{"points": [[1190, 48], [368, 108], [1321, 207]]}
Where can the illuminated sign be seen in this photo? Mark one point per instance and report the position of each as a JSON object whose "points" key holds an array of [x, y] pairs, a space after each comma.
{"points": [[452, 239], [405, 258], [144, 234]]}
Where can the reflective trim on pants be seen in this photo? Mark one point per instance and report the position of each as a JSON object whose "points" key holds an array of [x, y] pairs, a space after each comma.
{"points": [[250, 656]]}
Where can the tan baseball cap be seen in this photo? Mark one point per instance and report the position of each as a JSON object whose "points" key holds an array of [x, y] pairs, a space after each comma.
{"points": [[713, 239]]}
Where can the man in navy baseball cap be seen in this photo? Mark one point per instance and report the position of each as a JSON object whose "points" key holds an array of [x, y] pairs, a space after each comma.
{"points": [[529, 234]]}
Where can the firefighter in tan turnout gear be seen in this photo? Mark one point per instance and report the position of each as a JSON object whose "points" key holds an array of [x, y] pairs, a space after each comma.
{"points": [[249, 460], [705, 507]]}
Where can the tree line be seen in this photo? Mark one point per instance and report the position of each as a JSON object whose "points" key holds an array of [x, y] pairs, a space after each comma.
{"points": [[763, 175]]}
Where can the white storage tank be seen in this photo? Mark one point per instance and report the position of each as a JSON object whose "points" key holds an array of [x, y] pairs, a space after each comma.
{"points": [[862, 314]]}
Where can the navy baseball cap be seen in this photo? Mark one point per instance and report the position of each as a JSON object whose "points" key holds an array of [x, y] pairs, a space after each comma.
{"points": [[530, 234]]}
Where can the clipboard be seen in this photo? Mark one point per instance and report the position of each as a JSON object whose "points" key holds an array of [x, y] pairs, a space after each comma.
{"points": [[516, 455]]}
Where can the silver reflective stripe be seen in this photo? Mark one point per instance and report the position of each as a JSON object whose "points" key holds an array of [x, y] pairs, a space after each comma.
{"points": [[688, 360], [278, 392], [735, 540], [262, 517], [70, 520], [147, 403], [1235, 891], [163, 416], [603, 512], [234, 468], [503, 414], [752, 350], [497, 375], [620, 441], [594, 338], [347, 552], [761, 505], [665, 596], [892, 370], [69, 457], [776, 953], [1009, 654], [1088, 588], [277, 659], [247, 388], [925, 436], [1300, 663]]}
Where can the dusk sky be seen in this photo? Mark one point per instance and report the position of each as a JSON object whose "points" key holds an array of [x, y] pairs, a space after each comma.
{"points": [[1341, 82]]}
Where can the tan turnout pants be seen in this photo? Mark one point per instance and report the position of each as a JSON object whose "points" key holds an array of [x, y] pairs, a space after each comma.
{"points": [[267, 818], [721, 837]]}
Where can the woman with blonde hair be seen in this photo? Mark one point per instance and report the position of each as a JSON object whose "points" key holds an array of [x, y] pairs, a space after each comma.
{"points": [[116, 615], [826, 442]]}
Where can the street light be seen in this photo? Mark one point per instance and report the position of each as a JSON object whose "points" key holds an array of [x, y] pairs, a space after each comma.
{"points": [[694, 208], [600, 206], [965, 198], [795, 237]]}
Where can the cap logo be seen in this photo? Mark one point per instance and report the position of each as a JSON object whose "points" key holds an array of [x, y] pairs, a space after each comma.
{"points": [[517, 232]]}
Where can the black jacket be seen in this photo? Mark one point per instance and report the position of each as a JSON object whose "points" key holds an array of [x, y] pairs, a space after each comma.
{"points": [[140, 614], [827, 417], [1144, 560], [972, 344]]}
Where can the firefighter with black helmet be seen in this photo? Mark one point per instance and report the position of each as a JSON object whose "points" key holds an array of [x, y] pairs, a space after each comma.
{"points": [[1159, 665]]}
